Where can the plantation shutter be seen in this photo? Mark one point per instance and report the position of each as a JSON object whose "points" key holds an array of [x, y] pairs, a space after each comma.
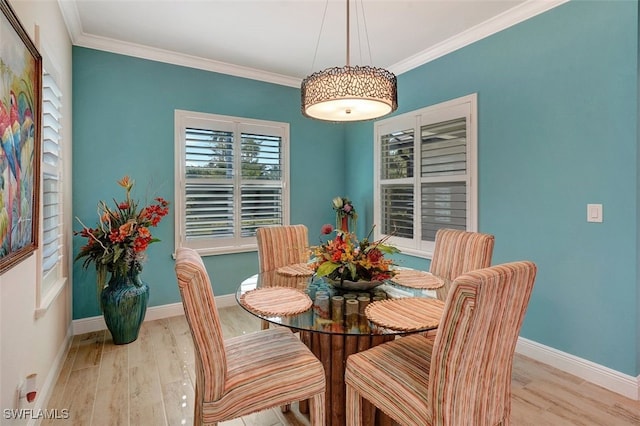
{"points": [[209, 209], [425, 174], [443, 155], [234, 182], [51, 173], [261, 182], [397, 165]]}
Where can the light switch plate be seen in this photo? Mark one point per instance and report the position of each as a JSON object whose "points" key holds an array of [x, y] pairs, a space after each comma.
{"points": [[594, 212]]}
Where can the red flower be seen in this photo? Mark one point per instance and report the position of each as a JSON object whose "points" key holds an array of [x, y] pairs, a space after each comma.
{"points": [[123, 233], [326, 229], [375, 255]]}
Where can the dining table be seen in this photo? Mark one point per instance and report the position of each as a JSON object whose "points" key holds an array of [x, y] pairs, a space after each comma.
{"points": [[336, 322]]}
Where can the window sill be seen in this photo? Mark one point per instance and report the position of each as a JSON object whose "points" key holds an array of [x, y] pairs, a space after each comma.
{"points": [[415, 252], [221, 251], [52, 294]]}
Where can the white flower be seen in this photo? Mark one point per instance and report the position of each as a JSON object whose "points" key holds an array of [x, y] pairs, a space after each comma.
{"points": [[337, 203]]}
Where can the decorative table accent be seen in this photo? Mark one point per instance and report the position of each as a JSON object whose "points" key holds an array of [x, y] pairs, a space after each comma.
{"points": [[295, 270], [354, 285], [282, 301], [418, 279], [117, 246], [348, 262], [345, 212], [408, 314]]}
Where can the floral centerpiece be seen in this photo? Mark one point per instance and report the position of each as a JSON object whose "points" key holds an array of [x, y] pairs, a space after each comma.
{"points": [[345, 258], [117, 244]]}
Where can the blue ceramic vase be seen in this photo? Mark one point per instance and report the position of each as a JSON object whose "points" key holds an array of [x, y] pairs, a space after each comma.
{"points": [[124, 305]]}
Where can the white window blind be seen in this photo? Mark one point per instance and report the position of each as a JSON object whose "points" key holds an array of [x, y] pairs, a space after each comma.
{"points": [[426, 168], [51, 179], [234, 174], [443, 149]]}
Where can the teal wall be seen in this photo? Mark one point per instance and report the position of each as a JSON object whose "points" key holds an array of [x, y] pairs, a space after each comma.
{"points": [[558, 116], [123, 115], [557, 129]]}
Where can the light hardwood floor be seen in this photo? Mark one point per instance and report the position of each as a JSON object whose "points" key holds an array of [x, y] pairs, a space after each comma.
{"points": [[150, 382]]}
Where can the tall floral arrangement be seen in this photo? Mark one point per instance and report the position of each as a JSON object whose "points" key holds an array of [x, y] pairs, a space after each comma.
{"points": [[118, 243], [345, 212], [347, 258]]}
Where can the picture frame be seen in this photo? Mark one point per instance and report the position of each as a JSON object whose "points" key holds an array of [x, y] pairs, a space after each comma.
{"points": [[20, 130]]}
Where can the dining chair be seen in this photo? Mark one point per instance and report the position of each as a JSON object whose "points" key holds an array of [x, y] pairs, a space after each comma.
{"points": [[463, 376], [456, 252], [280, 246], [248, 373]]}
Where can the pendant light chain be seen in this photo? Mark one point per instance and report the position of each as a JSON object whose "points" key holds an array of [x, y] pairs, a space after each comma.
{"points": [[348, 46], [315, 54]]}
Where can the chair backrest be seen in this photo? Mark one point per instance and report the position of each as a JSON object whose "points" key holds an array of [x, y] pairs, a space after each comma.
{"points": [[457, 252], [281, 246], [472, 359], [204, 322]]}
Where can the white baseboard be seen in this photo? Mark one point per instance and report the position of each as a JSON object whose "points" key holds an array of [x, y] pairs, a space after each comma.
{"points": [[612, 380], [91, 324], [44, 392]]}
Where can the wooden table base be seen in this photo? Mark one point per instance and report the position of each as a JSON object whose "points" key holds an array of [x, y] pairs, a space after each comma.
{"points": [[332, 350]]}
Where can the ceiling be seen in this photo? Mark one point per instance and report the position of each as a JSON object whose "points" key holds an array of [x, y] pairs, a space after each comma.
{"points": [[281, 41]]}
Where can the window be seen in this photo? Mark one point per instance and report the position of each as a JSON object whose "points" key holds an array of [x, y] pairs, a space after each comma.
{"points": [[425, 174], [51, 266], [233, 175]]}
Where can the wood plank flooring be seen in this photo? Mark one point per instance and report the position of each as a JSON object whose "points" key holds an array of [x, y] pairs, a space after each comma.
{"points": [[150, 382]]}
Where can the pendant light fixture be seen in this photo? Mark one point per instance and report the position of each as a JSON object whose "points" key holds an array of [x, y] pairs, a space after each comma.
{"points": [[349, 93]]}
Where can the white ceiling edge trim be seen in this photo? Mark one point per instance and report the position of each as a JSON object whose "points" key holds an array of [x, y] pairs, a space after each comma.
{"points": [[494, 25], [170, 57], [72, 20], [501, 22]]}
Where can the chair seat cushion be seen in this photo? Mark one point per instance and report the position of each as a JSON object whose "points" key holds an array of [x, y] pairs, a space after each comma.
{"points": [[401, 377], [258, 361]]}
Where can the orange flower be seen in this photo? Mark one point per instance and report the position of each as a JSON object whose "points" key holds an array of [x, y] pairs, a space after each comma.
{"points": [[345, 257], [117, 243], [126, 183]]}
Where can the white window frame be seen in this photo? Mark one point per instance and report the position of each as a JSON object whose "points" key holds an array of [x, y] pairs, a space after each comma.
{"points": [[465, 106], [190, 119], [50, 283]]}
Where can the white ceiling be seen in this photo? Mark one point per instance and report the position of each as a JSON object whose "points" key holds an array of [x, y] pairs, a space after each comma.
{"points": [[275, 40]]}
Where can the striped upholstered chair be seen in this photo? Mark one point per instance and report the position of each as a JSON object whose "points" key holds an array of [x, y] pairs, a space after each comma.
{"points": [[463, 376], [244, 374], [281, 246], [457, 252]]}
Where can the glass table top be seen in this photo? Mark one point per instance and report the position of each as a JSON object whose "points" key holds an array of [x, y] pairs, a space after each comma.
{"points": [[334, 310]]}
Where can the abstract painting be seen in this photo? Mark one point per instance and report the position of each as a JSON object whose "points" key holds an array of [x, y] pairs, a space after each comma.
{"points": [[20, 103]]}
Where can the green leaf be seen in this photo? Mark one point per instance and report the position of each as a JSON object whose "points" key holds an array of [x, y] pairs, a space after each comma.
{"points": [[326, 268], [352, 270], [388, 249]]}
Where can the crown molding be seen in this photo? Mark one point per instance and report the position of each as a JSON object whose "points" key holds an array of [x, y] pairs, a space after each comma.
{"points": [[500, 22], [507, 19], [71, 18], [170, 57]]}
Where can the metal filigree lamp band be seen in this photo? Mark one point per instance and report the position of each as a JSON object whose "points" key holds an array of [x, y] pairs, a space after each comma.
{"points": [[349, 93]]}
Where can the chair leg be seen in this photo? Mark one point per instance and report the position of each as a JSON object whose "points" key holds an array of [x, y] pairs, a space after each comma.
{"points": [[316, 410], [353, 407]]}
